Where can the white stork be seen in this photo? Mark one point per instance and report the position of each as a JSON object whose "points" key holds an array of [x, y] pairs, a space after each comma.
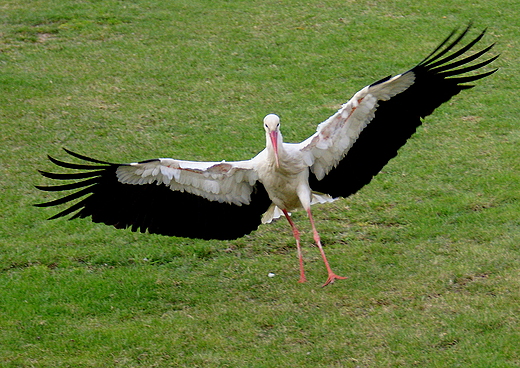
{"points": [[226, 200]]}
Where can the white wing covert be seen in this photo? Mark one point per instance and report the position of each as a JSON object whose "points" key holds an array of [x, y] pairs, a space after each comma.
{"points": [[229, 182], [336, 135]]}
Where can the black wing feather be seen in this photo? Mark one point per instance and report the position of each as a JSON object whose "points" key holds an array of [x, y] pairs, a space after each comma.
{"points": [[397, 119], [68, 176], [153, 208]]}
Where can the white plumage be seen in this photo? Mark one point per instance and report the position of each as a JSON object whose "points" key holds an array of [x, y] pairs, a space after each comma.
{"points": [[225, 200]]}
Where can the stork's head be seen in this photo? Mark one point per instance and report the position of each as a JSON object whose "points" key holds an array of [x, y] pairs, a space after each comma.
{"points": [[272, 131]]}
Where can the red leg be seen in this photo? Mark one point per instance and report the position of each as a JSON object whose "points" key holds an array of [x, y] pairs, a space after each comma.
{"points": [[296, 234], [332, 275]]}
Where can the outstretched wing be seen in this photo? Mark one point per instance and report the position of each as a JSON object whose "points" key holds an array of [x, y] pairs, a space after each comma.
{"points": [[352, 146], [207, 200]]}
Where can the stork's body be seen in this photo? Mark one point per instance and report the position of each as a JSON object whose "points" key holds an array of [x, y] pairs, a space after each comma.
{"points": [[226, 200], [281, 168], [285, 175]]}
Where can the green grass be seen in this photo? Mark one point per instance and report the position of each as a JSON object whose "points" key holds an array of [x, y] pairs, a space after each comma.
{"points": [[431, 246]]}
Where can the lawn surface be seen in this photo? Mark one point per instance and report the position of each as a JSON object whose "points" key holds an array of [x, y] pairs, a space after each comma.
{"points": [[431, 247]]}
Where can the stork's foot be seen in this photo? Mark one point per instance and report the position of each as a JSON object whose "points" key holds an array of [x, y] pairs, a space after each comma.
{"points": [[302, 279], [332, 277]]}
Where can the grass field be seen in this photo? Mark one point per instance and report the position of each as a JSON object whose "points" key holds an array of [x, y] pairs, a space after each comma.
{"points": [[431, 246]]}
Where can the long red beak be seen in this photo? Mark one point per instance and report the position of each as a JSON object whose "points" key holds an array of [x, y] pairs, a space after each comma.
{"points": [[274, 140]]}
